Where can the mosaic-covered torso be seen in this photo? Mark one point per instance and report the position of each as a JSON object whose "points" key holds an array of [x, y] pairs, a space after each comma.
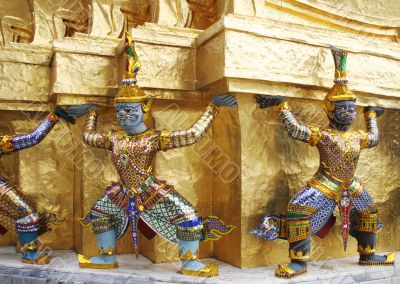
{"points": [[133, 156], [339, 153]]}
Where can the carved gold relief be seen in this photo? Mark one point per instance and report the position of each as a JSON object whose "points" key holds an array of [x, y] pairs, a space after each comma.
{"points": [[136, 12], [344, 17], [15, 22], [55, 20], [174, 13], [107, 20], [204, 13], [16, 30], [74, 16]]}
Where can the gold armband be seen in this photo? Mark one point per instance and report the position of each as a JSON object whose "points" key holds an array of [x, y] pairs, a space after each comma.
{"points": [[6, 144], [214, 109], [315, 135], [52, 117], [92, 111], [369, 114], [165, 140], [282, 106], [365, 139]]}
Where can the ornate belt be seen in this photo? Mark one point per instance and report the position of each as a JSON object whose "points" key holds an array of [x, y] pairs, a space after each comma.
{"points": [[333, 188], [132, 192]]}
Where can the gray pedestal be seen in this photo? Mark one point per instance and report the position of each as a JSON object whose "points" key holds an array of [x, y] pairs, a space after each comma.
{"points": [[64, 269]]}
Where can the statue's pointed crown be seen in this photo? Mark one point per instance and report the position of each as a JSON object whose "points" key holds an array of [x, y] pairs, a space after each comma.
{"points": [[340, 59], [340, 90], [130, 92]]}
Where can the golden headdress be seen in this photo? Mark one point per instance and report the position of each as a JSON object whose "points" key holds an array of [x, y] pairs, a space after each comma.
{"points": [[130, 92], [340, 90]]}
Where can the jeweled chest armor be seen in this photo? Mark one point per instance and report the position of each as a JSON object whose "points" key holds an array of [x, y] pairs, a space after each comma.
{"points": [[133, 155], [339, 153]]}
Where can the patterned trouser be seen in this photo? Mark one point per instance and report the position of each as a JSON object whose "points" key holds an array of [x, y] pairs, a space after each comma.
{"points": [[320, 207], [173, 217], [308, 212], [16, 211]]}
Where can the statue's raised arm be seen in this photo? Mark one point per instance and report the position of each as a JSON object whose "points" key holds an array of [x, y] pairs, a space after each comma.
{"points": [[9, 144], [187, 137], [295, 128], [370, 138], [90, 135], [14, 143]]}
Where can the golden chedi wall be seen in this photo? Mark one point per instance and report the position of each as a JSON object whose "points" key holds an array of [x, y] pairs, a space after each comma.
{"points": [[72, 53]]}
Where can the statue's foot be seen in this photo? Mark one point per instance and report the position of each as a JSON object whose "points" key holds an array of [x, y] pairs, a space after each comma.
{"points": [[98, 262], [377, 259], [196, 268], [291, 270], [35, 257]]}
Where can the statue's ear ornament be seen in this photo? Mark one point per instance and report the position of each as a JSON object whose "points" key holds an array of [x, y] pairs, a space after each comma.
{"points": [[146, 105]]}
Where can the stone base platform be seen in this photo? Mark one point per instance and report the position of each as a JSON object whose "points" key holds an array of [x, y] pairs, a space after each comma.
{"points": [[64, 269]]}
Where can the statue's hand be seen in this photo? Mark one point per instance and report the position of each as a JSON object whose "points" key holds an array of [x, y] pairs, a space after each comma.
{"points": [[61, 113], [378, 110], [224, 101], [264, 101], [77, 111]]}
